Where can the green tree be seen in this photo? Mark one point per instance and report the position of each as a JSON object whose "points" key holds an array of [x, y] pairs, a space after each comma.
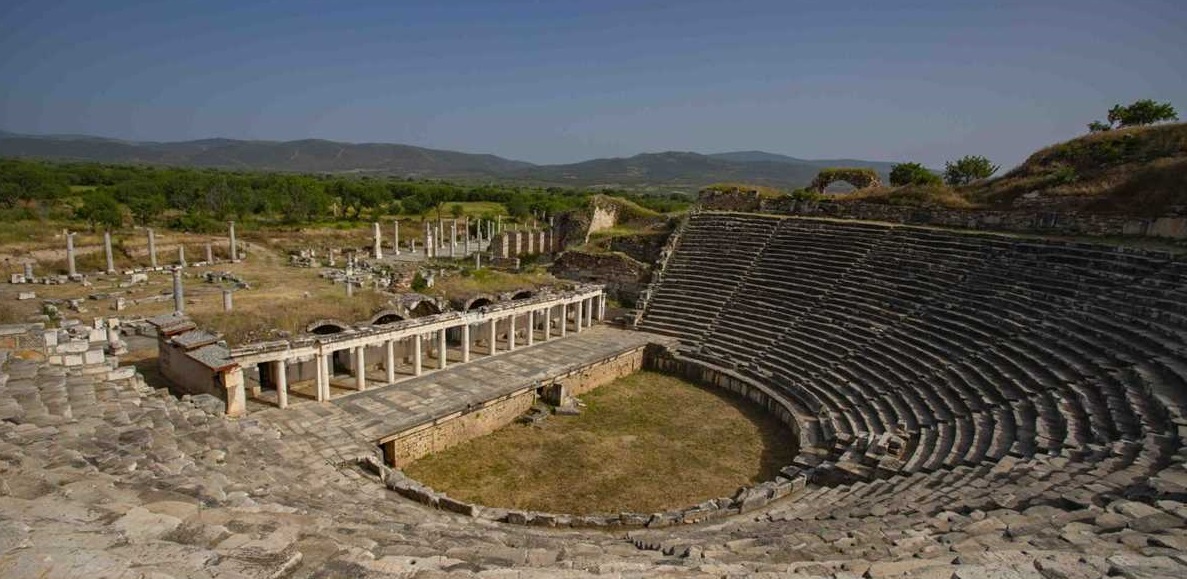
{"points": [[967, 169], [99, 207], [456, 210], [1139, 113], [912, 174]]}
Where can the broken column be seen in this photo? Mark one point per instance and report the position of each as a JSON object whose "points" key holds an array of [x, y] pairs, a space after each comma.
{"points": [[29, 271], [227, 301], [107, 252], [396, 231], [466, 237], [181, 256], [178, 298], [70, 269], [234, 250], [152, 249], [209, 254], [378, 241], [477, 260]]}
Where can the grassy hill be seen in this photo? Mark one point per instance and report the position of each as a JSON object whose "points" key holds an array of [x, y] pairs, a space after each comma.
{"points": [[1139, 170], [1134, 171]]}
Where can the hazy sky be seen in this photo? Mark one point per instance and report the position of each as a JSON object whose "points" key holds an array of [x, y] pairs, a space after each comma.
{"points": [[560, 81]]}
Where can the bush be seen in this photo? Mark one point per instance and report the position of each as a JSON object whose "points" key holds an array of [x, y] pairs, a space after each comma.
{"points": [[912, 174], [419, 283]]}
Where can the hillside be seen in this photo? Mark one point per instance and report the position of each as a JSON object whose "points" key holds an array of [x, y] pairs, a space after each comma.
{"points": [[1140, 170], [663, 172], [305, 156]]}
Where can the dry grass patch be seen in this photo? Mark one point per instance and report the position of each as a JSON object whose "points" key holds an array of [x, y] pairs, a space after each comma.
{"points": [[645, 443]]}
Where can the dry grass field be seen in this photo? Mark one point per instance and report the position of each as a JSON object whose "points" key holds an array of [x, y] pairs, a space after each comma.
{"points": [[645, 443]]}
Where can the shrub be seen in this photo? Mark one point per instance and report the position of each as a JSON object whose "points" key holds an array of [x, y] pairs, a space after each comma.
{"points": [[912, 174], [967, 169]]}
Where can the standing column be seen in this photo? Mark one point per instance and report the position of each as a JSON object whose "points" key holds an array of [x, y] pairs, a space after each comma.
{"points": [[442, 349], [589, 309], [107, 251], [465, 343], [466, 236], [416, 347], [280, 374], [564, 319], [494, 335], [234, 248], [178, 298], [547, 324], [511, 332], [602, 308], [181, 256], [378, 241], [323, 377], [360, 368], [452, 237], [396, 231], [29, 271], [389, 360], [70, 268], [209, 254], [577, 314], [228, 301], [531, 327], [152, 248]]}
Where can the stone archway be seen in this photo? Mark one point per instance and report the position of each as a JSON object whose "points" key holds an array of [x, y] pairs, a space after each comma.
{"points": [[479, 302], [326, 327], [859, 177], [424, 308], [386, 317]]}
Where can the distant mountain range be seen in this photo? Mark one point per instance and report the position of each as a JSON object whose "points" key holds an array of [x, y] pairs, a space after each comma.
{"points": [[667, 171]]}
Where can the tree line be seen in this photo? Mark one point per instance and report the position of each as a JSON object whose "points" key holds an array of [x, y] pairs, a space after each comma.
{"points": [[202, 199]]}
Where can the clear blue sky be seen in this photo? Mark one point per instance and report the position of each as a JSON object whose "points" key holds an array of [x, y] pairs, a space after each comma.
{"points": [[559, 81]]}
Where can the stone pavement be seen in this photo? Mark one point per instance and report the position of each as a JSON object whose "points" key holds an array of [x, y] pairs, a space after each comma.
{"points": [[350, 425]]}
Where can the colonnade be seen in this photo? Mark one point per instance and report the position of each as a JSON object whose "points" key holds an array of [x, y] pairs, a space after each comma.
{"points": [[422, 344]]}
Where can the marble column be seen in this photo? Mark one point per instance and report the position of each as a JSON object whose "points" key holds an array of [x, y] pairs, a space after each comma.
{"points": [[396, 232], [389, 360], [531, 327], [360, 368], [280, 375], [417, 370], [511, 332], [564, 321], [494, 336], [577, 315], [178, 294], [152, 248], [465, 343], [181, 256], [442, 350], [547, 324], [323, 377], [234, 248], [228, 301], [70, 266], [107, 252], [209, 254], [29, 271], [378, 241]]}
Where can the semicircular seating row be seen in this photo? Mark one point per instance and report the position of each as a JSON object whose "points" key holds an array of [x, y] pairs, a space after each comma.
{"points": [[918, 355]]}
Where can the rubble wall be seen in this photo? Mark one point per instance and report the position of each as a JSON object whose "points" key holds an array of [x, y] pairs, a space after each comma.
{"points": [[623, 276]]}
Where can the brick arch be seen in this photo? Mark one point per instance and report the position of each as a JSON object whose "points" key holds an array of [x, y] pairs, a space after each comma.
{"points": [[386, 317]]}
